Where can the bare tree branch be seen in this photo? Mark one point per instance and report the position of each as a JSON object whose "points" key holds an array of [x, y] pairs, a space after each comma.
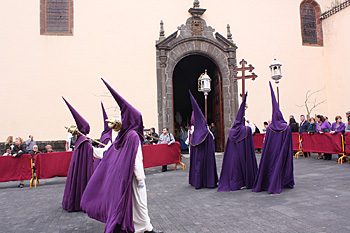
{"points": [[306, 104]]}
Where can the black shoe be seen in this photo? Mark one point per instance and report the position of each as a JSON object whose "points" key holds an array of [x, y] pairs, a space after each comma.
{"points": [[164, 168], [154, 231], [21, 185]]}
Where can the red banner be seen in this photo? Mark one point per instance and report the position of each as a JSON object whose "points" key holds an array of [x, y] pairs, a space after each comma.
{"points": [[258, 139], [14, 169], [48, 165], [322, 143], [295, 139], [347, 143], [161, 154]]}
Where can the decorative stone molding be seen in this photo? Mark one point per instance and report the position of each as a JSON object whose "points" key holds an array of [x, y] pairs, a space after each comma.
{"points": [[195, 38]]}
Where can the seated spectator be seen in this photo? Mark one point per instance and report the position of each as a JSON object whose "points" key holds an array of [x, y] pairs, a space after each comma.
{"points": [[9, 142], [304, 124], [18, 150], [8, 152], [168, 138], [293, 125], [338, 126], [48, 149], [323, 127], [265, 126], [312, 126], [30, 143]]}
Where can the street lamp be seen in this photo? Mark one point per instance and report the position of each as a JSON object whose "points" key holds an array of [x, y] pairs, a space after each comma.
{"points": [[205, 88], [276, 74]]}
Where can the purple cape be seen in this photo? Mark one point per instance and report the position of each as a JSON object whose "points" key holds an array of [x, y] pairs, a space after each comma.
{"points": [[81, 165], [108, 196], [79, 174], [202, 172], [276, 165], [106, 135], [239, 166]]}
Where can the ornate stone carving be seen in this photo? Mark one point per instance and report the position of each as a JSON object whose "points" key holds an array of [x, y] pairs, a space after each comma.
{"points": [[196, 27]]}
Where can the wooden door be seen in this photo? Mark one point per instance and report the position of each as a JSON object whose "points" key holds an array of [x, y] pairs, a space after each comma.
{"points": [[218, 113]]}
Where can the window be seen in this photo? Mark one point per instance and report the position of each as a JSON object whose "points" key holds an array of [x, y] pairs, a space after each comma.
{"points": [[311, 27], [56, 17]]}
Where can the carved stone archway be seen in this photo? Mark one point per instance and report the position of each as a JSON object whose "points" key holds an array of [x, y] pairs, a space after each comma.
{"points": [[195, 38]]}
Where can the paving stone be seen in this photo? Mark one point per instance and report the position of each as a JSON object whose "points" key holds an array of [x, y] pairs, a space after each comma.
{"points": [[318, 203]]}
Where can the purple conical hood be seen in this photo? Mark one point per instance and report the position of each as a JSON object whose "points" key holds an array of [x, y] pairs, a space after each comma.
{"points": [[192, 118], [130, 117], [239, 130], [278, 123], [106, 134], [201, 130], [82, 124], [105, 117]]}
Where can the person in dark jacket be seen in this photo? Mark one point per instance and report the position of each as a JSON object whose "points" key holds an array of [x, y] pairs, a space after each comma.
{"points": [[18, 150], [304, 124], [312, 126], [293, 125]]}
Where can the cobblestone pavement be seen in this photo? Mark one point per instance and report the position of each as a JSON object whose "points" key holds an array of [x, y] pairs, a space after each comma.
{"points": [[318, 203]]}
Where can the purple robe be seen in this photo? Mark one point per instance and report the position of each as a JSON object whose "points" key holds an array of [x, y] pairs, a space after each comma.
{"points": [[79, 174], [239, 166], [276, 165], [341, 128], [106, 135], [202, 172], [108, 196], [81, 165]]}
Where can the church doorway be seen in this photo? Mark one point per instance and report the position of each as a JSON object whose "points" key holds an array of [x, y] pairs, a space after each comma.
{"points": [[185, 77]]}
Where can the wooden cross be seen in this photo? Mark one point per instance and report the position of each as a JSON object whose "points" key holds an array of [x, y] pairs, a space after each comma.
{"points": [[244, 68]]}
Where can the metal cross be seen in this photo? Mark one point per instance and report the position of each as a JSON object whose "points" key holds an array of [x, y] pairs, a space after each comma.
{"points": [[243, 69]]}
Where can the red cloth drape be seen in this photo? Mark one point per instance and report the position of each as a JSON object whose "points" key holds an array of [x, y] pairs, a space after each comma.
{"points": [[48, 165], [161, 154], [13, 169], [295, 139], [322, 143], [347, 143], [258, 139]]}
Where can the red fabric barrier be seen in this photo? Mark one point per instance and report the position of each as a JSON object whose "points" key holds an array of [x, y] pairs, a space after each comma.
{"points": [[347, 143], [322, 143], [14, 169], [161, 154], [48, 165], [258, 139], [295, 139]]}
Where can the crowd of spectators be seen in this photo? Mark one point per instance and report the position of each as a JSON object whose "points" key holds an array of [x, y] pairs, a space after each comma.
{"points": [[318, 124], [16, 148]]}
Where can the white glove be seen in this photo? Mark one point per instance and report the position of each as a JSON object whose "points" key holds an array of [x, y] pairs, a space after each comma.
{"points": [[141, 183]]}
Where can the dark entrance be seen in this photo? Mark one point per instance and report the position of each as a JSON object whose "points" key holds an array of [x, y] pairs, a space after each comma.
{"points": [[185, 77]]}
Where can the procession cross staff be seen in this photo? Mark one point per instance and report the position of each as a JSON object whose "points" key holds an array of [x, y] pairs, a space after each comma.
{"points": [[243, 69], [74, 130]]}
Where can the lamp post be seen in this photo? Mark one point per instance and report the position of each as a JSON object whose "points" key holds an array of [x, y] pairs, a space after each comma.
{"points": [[276, 74], [205, 88]]}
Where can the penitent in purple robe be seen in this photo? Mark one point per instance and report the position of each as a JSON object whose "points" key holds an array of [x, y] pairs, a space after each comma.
{"points": [[203, 172], [239, 166], [106, 135], [276, 165], [81, 165], [108, 196]]}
